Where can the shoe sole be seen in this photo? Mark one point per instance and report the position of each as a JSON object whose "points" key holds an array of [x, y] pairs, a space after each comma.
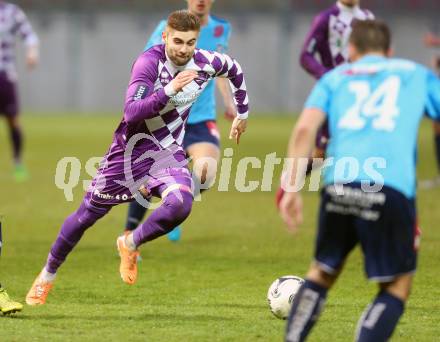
{"points": [[11, 312]]}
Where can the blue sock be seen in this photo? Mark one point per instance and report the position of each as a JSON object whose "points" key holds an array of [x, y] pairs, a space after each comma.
{"points": [[306, 309], [437, 150], [136, 213], [380, 318]]}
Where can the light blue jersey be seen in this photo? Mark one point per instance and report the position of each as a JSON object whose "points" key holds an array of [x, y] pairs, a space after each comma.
{"points": [[213, 37], [374, 108]]}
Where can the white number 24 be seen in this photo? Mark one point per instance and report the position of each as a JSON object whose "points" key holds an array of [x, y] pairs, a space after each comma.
{"points": [[381, 104]]}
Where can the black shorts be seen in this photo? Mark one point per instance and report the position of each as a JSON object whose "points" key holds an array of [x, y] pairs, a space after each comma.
{"points": [[8, 96], [201, 132], [384, 223]]}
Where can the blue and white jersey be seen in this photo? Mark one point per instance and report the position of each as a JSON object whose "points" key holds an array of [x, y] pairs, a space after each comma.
{"points": [[214, 36], [374, 107]]}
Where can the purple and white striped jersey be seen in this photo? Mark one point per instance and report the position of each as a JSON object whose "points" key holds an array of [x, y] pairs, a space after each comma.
{"points": [[13, 22], [329, 37], [148, 109]]}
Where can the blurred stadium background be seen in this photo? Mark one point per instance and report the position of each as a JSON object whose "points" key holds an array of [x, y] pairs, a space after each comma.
{"points": [[87, 47], [211, 287]]}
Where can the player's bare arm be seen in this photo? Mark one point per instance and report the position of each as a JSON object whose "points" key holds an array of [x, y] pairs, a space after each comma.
{"points": [[228, 101]]}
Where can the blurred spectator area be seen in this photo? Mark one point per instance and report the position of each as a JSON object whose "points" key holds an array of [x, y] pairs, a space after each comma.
{"points": [[88, 47], [223, 5]]}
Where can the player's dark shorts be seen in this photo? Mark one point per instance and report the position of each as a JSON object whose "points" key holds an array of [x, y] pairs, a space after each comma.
{"points": [[322, 137], [384, 223], [8, 96], [201, 132]]}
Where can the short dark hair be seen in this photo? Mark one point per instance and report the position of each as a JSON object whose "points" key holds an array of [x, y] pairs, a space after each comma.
{"points": [[370, 35], [183, 21]]}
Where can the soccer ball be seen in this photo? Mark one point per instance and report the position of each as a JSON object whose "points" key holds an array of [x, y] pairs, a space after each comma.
{"points": [[281, 294]]}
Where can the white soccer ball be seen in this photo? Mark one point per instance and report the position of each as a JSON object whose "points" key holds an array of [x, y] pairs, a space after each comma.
{"points": [[281, 294]]}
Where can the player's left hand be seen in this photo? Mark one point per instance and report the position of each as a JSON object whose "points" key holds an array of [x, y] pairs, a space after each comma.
{"points": [[291, 208], [32, 58], [237, 129], [230, 111]]}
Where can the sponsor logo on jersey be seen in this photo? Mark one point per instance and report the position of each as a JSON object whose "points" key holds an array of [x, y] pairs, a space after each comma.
{"points": [[164, 77], [218, 31], [141, 93], [182, 98]]}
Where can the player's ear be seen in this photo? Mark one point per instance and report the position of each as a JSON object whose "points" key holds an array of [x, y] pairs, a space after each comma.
{"points": [[390, 52], [352, 52], [164, 35]]}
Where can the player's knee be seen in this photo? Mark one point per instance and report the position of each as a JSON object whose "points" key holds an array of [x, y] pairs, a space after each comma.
{"points": [[399, 287], [321, 277], [180, 204], [87, 216], [13, 122], [206, 177], [204, 171], [436, 128]]}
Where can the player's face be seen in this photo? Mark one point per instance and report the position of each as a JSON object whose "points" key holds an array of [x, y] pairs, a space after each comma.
{"points": [[200, 7], [180, 45], [349, 3]]}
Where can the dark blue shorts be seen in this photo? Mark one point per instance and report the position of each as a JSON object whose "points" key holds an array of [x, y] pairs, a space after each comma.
{"points": [[384, 223], [201, 132], [8, 96]]}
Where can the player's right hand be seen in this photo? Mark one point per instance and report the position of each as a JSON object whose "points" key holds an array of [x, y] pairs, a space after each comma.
{"points": [[182, 79], [237, 129], [291, 209]]}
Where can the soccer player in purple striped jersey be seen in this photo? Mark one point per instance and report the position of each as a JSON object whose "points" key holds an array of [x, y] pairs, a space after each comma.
{"points": [[202, 138], [146, 155], [13, 22], [328, 39]]}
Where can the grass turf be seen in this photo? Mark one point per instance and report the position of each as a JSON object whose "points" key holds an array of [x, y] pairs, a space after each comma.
{"points": [[210, 286]]}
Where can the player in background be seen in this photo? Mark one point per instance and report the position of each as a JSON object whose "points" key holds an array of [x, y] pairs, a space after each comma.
{"points": [[374, 102], [431, 40], [13, 22], [324, 48], [202, 138], [7, 305], [146, 155]]}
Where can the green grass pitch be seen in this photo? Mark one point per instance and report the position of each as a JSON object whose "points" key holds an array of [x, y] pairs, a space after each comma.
{"points": [[211, 286]]}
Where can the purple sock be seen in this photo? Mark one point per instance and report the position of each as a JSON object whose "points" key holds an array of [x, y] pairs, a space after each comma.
{"points": [[173, 211], [71, 232], [17, 143]]}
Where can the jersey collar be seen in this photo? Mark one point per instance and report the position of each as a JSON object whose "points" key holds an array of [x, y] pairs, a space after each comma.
{"points": [[342, 7], [371, 58]]}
